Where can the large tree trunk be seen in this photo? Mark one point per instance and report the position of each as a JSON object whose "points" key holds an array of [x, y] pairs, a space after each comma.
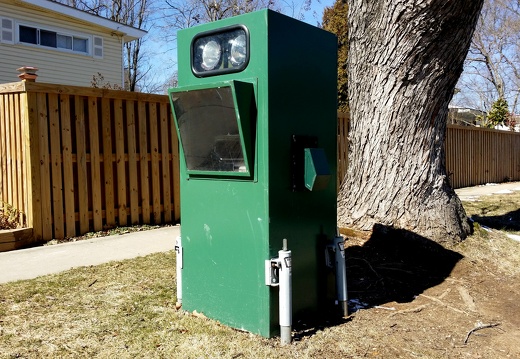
{"points": [[404, 61]]}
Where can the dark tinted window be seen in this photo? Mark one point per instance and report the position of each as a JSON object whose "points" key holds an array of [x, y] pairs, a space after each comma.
{"points": [[47, 38], [28, 35]]}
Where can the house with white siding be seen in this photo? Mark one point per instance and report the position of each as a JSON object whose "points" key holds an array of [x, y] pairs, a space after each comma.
{"points": [[67, 45]]}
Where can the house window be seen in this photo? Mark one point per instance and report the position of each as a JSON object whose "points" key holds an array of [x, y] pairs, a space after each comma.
{"points": [[58, 40], [64, 42], [79, 45], [98, 47], [28, 35], [48, 38], [6, 30]]}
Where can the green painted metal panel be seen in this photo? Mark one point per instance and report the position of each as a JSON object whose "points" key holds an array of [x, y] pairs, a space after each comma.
{"points": [[316, 169], [231, 224], [302, 102]]}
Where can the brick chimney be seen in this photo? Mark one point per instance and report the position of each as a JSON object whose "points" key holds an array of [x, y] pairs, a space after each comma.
{"points": [[27, 73]]}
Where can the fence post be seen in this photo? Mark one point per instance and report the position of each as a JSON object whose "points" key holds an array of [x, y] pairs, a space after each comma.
{"points": [[32, 163], [27, 73]]}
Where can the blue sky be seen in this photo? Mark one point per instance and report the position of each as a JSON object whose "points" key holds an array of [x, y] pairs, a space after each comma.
{"points": [[318, 7], [316, 13], [163, 54]]}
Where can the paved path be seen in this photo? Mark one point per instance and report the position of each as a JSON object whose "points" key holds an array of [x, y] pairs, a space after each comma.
{"points": [[472, 193], [34, 262]]}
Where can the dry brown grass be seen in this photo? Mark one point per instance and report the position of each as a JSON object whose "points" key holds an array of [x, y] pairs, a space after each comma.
{"points": [[121, 309], [127, 310], [500, 212], [495, 217]]}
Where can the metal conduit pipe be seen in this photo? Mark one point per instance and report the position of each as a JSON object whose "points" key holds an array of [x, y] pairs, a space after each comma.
{"points": [[278, 273], [285, 275], [341, 273]]}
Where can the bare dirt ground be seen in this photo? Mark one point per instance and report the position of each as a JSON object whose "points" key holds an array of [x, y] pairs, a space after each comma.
{"points": [[425, 301]]}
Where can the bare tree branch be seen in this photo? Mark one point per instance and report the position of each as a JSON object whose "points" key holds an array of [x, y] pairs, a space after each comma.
{"points": [[494, 57]]}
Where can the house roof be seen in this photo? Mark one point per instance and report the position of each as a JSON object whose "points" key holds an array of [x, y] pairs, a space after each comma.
{"points": [[130, 33]]}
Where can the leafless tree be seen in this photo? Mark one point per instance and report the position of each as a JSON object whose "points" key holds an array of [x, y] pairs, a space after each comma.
{"points": [[296, 9], [164, 18], [181, 14], [135, 13], [492, 67]]}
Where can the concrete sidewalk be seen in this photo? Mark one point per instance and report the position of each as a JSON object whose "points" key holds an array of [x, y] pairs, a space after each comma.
{"points": [[473, 193], [37, 261]]}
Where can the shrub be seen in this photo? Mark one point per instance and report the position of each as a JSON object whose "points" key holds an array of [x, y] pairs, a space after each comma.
{"points": [[9, 216]]}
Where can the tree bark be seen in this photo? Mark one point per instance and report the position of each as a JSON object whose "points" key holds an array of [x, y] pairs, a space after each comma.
{"points": [[404, 61]]}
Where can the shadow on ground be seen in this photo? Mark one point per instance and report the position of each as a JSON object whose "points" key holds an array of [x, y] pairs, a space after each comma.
{"points": [[509, 221], [395, 265]]}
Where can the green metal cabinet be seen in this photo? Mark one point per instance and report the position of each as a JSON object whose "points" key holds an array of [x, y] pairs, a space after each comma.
{"points": [[243, 135]]}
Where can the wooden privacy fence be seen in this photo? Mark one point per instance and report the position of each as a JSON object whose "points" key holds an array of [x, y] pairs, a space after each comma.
{"points": [[478, 155], [474, 155], [76, 159], [342, 152]]}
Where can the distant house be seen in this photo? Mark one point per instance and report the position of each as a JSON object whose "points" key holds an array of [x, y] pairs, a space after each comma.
{"points": [[465, 116], [69, 46]]}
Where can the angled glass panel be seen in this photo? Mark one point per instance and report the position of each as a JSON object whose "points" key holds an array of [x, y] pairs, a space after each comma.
{"points": [[210, 131]]}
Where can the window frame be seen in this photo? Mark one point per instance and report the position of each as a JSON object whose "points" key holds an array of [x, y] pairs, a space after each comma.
{"points": [[244, 108], [58, 32], [10, 30]]}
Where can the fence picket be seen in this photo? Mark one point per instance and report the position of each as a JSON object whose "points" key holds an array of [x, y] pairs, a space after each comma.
{"points": [[56, 165], [81, 149], [143, 162], [165, 162], [108, 175], [22, 98], [132, 162], [473, 155], [68, 170], [4, 116], [9, 151], [154, 154], [120, 162], [175, 171], [95, 164], [34, 209], [19, 195]]}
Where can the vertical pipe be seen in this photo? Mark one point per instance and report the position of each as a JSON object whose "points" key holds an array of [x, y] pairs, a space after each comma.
{"points": [[179, 265], [341, 273], [285, 274]]}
